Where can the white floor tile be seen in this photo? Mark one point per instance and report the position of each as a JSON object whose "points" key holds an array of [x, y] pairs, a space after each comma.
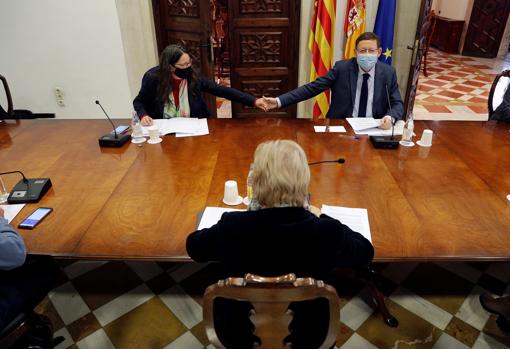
{"points": [[81, 267], [182, 272], [500, 270], [186, 341], [448, 342], [187, 310], [355, 312], [357, 342], [123, 304], [463, 270], [68, 339], [421, 307], [68, 303], [471, 311], [398, 272], [97, 340], [487, 342], [145, 270]]}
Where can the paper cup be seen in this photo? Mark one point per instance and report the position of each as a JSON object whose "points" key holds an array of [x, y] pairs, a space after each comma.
{"points": [[426, 138], [231, 194]]}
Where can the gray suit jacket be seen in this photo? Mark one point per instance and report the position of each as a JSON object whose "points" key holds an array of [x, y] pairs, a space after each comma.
{"points": [[342, 79]]}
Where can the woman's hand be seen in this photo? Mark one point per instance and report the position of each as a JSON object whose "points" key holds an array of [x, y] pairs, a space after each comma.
{"points": [[146, 120]]}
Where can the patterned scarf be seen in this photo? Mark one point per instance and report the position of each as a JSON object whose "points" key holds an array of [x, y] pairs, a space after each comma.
{"points": [[170, 111]]}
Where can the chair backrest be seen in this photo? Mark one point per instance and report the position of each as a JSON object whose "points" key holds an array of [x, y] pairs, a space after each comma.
{"points": [[270, 298], [10, 109], [498, 88]]}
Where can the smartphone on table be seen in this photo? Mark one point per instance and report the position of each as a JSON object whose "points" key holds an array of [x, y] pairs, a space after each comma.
{"points": [[35, 218], [121, 129]]}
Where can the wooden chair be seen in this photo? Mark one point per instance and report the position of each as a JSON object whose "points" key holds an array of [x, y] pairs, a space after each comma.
{"points": [[431, 26], [497, 91], [270, 298]]}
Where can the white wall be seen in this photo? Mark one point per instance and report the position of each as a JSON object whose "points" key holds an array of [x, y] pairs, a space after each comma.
{"points": [[454, 9], [73, 44]]}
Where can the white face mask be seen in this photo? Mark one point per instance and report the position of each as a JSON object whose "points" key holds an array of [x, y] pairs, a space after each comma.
{"points": [[366, 61]]}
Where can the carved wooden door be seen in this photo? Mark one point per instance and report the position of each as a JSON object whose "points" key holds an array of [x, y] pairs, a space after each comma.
{"points": [[264, 50], [187, 23], [419, 47], [486, 27]]}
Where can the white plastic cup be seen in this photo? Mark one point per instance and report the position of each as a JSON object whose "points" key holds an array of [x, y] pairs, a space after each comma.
{"points": [[426, 138], [153, 133], [231, 194]]}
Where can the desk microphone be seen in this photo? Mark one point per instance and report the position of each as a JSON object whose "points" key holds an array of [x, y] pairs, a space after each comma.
{"points": [[28, 190], [112, 140], [385, 142], [340, 161]]}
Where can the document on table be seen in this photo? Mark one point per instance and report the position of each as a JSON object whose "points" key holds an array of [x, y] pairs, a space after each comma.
{"points": [[399, 129], [212, 215], [10, 211], [201, 130], [336, 129], [354, 218], [187, 126], [359, 124]]}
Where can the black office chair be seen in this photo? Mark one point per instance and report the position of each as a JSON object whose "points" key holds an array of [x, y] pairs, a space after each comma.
{"points": [[12, 113], [500, 94]]}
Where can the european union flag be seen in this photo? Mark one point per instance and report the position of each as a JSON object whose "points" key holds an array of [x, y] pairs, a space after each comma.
{"points": [[384, 24]]}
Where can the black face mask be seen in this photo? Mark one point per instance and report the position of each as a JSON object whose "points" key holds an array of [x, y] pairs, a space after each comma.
{"points": [[183, 73]]}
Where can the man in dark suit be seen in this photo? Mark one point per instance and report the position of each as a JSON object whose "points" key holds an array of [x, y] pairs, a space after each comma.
{"points": [[358, 86]]}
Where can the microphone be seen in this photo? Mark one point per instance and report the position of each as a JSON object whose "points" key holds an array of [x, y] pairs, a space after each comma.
{"points": [[109, 140], [340, 161], [385, 142], [28, 190]]}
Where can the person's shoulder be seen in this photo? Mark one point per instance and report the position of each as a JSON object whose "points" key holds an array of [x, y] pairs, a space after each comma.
{"points": [[345, 64], [385, 68], [152, 73]]}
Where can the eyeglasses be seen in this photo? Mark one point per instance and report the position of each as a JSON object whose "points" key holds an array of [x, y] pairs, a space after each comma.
{"points": [[367, 50]]}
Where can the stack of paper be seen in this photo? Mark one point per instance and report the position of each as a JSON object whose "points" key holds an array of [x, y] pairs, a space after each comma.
{"points": [[212, 215], [354, 218], [335, 129], [182, 127], [369, 126], [10, 211]]}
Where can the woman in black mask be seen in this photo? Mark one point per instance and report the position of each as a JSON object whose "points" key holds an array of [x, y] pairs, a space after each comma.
{"points": [[173, 89]]}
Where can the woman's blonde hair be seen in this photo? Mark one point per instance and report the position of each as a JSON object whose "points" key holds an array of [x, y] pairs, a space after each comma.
{"points": [[280, 174]]}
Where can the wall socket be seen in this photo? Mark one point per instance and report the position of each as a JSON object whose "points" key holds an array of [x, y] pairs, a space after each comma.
{"points": [[59, 96]]}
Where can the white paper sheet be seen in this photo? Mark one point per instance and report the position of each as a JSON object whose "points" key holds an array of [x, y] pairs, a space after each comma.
{"points": [[10, 211], [354, 218], [336, 129], [212, 215], [202, 129], [399, 128], [359, 124], [176, 125]]}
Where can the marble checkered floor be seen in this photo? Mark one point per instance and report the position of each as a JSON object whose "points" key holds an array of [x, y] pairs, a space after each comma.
{"points": [[457, 87], [158, 305]]}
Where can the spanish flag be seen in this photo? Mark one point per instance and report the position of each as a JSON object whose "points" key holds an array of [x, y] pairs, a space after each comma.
{"points": [[321, 45], [354, 25]]}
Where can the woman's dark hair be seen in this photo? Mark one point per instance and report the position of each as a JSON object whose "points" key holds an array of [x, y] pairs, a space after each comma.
{"points": [[170, 55]]}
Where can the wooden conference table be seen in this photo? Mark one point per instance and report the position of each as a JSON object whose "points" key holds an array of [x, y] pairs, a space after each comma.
{"points": [[447, 202]]}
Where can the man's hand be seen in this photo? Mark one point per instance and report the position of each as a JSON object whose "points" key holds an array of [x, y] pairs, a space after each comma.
{"points": [[1, 212], [146, 120], [261, 104], [386, 123], [271, 102]]}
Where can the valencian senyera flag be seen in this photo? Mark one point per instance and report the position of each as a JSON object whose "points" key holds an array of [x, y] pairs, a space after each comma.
{"points": [[384, 25], [321, 45], [354, 25]]}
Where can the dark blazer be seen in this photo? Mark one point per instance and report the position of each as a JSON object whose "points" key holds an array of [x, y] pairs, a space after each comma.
{"points": [[276, 241], [148, 101], [342, 79], [502, 112], [272, 242]]}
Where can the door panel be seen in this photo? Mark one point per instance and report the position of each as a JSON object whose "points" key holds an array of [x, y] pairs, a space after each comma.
{"points": [[264, 50], [418, 49], [486, 27], [187, 23]]}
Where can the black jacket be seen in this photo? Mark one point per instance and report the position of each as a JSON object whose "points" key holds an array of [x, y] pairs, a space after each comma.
{"points": [[502, 112], [148, 101], [342, 80], [277, 241]]}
